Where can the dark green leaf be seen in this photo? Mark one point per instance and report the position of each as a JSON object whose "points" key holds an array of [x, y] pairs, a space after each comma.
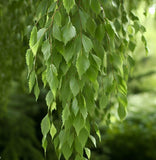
{"points": [[95, 5], [121, 111]]}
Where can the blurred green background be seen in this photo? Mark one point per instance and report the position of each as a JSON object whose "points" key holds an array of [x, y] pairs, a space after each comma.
{"points": [[20, 114]]}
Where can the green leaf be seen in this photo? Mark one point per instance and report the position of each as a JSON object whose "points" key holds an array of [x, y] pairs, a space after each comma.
{"points": [[53, 131], [44, 144], [51, 8], [67, 151], [53, 106], [91, 26], [78, 147], [92, 73], [82, 64], [58, 18], [41, 9], [36, 91], [49, 98], [46, 49], [83, 108], [103, 101], [33, 37], [83, 136], [97, 60], [68, 32], [52, 79], [121, 111], [40, 35], [68, 5], [95, 5], [32, 80], [57, 32], [100, 32], [88, 153], [62, 137], [145, 44], [45, 125], [69, 52], [87, 43], [74, 86], [78, 123], [78, 157], [65, 114], [75, 107], [97, 131], [44, 79], [132, 46], [84, 17], [29, 59], [70, 137], [93, 140]]}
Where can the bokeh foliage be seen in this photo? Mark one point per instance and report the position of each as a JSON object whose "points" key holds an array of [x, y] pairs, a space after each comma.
{"points": [[14, 49]]}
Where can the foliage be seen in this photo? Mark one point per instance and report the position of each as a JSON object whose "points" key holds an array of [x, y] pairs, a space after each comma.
{"points": [[82, 51], [19, 139], [135, 138], [14, 18]]}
